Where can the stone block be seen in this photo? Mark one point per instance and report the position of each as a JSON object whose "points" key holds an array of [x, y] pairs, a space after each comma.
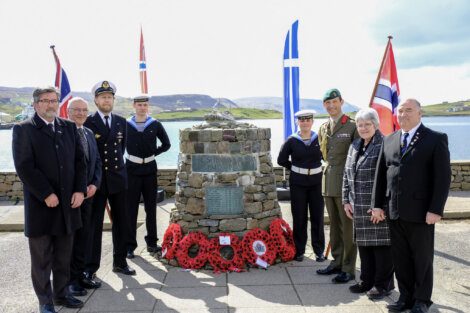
{"points": [[235, 148], [210, 147], [198, 147], [265, 168], [244, 180], [255, 146], [265, 146], [184, 134], [183, 175], [261, 133], [245, 147], [253, 207], [248, 197], [273, 212], [268, 205], [5, 187], [195, 206], [259, 196], [227, 177], [216, 135], [265, 158], [251, 223], [465, 186], [265, 180], [253, 188], [194, 135], [269, 188], [195, 180], [223, 147], [268, 133], [271, 195], [11, 178], [210, 223], [252, 134], [162, 182], [188, 217], [240, 134], [235, 224], [205, 135], [265, 222], [458, 178], [199, 193]]}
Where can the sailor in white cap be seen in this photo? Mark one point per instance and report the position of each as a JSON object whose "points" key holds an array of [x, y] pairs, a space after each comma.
{"points": [[110, 133], [302, 156], [143, 131]]}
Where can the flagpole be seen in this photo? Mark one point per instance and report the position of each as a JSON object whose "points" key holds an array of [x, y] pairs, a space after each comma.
{"points": [[380, 71]]}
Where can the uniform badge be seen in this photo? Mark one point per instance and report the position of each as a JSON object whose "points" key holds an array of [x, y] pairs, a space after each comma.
{"points": [[119, 136], [97, 136], [105, 84]]}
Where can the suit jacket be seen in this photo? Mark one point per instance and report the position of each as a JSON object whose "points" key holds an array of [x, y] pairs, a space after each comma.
{"points": [[93, 162], [49, 162], [358, 181], [111, 146], [417, 182], [334, 147]]}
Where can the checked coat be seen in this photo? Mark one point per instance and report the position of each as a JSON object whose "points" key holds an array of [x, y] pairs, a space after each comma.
{"points": [[358, 182]]}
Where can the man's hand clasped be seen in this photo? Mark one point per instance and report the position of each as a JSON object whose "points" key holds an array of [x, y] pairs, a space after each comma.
{"points": [[52, 201], [77, 199], [377, 215], [348, 210]]}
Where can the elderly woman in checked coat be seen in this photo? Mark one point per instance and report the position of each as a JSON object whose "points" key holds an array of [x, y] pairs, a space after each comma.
{"points": [[371, 231]]}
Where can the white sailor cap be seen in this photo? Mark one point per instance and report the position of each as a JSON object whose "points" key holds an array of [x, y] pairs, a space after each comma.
{"points": [[305, 113], [102, 87], [141, 98]]}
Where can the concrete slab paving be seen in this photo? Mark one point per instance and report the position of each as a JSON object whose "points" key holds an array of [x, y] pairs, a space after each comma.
{"points": [[190, 298], [264, 296], [142, 279], [284, 309], [330, 295], [277, 276], [125, 300], [178, 277], [307, 276]]}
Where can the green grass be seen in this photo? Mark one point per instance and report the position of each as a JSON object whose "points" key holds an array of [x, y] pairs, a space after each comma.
{"points": [[239, 113], [441, 109]]}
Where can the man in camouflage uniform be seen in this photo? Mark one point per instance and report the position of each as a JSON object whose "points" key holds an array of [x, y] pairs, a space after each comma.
{"points": [[335, 136]]}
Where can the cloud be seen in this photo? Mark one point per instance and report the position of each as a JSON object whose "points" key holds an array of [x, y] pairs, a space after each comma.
{"points": [[435, 33]]}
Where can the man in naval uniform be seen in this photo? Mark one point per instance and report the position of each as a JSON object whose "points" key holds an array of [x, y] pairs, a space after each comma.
{"points": [[335, 136], [110, 133], [142, 134]]}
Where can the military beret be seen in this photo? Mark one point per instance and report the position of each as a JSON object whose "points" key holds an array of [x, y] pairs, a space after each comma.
{"points": [[141, 98], [102, 87], [305, 113], [331, 94]]}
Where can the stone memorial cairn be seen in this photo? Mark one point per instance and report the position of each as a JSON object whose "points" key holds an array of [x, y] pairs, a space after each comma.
{"points": [[226, 196]]}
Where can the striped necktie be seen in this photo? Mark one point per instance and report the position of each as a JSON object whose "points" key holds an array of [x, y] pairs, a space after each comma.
{"points": [[404, 144], [81, 134]]}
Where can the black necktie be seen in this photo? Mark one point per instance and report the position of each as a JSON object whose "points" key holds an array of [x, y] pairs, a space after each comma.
{"points": [[51, 127], [83, 141], [106, 121], [404, 144]]}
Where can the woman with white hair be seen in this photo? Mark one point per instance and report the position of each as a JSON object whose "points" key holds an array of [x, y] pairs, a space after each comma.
{"points": [[371, 231]]}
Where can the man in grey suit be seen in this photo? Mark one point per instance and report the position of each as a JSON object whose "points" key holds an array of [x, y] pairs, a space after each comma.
{"points": [[78, 113], [50, 162], [412, 180]]}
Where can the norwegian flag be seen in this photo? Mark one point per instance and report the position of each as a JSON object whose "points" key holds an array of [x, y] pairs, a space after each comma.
{"points": [[143, 65], [386, 95], [62, 83]]}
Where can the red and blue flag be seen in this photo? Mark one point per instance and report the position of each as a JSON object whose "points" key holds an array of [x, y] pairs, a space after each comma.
{"points": [[386, 95], [62, 84]]}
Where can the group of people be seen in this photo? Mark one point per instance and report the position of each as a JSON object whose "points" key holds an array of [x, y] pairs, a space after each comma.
{"points": [[72, 172], [383, 196]]}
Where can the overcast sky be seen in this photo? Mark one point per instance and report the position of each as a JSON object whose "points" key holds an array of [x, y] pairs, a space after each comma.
{"points": [[234, 49]]}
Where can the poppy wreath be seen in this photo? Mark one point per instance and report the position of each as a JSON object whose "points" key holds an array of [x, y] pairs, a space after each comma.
{"points": [[182, 255], [221, 264], [283, 238], [170, 241], [258, 244]]}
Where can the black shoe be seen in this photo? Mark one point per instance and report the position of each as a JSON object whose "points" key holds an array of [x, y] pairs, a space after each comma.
{"points": [[399, 306], [342, 278], [130, 255], [420, 307], [377, 293], [88, 282], [126, 270], [320, 258], [154, 249], [69, 302], [359, 288], [76, 290], [299, 257], [47, 308], [329, 270]]}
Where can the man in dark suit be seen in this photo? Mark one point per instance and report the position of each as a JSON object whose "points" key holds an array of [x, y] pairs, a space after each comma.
{"points": [[413, 179], [78, 112], [50, 162], [110, 133]]}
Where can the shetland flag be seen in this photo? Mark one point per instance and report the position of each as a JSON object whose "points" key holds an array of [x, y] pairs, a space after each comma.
{"points": [[142, 66], [62, 83], [291, 80], [386, 95]]}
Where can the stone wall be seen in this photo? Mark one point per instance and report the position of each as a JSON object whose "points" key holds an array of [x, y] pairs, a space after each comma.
{"points": [[11, 187]]}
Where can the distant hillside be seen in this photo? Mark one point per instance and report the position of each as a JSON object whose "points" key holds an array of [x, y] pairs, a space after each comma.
{"points": [[448, 108], [276, 103]]}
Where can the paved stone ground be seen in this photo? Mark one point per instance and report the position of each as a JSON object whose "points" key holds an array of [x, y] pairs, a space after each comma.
{"points": [[288, 287]]}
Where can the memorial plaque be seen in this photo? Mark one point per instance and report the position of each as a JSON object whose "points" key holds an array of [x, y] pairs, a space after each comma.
{"points": [[204, 163], [227, 200]]}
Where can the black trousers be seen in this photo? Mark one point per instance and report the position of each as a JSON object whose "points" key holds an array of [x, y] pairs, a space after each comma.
{"points": [[305, 200], [120, 229], [377, 267], [81, 242], [413, 255], [50, 253], [147, 186]]}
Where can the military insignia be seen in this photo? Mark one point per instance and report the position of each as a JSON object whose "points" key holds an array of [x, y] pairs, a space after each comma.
{"points": [[344, 119], [97, 136], [105, 84], [343, 136]]}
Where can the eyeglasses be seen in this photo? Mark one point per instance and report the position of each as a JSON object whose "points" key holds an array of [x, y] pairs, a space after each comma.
{"points": [[47, 101], [80, 110], [365, 125], [304, 119]]}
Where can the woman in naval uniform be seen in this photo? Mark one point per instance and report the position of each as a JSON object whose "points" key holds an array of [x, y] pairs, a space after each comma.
{"points": [[302, 156]]}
